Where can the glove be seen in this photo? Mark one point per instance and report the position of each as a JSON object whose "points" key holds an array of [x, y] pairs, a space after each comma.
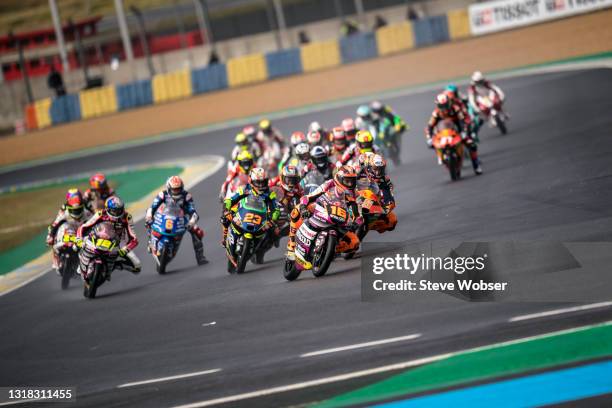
{"points": [[78, 242], [430, 142], [122, 252], [49, 240], [303, 209], [276, 215], [227, 204]]}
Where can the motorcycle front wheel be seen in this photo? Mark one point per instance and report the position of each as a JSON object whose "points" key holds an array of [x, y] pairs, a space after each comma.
{"points": [[90, 292], [290, 272], [244, 255], [329, 251], [162, 260], [501, 125]]}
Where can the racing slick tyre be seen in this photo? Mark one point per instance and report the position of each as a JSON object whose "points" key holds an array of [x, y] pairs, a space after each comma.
{"points": [[322, 261]]}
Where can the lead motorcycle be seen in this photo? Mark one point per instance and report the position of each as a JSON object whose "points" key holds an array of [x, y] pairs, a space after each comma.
{"points": [[449, 147], [102, 250], [490, 107], [65, 246], [248, 233], [165, 234], [317, 237]]}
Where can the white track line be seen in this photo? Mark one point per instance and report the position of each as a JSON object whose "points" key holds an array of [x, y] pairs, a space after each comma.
{"points": [[362, 345], [560, 311], [174, 377], [377, 370]]}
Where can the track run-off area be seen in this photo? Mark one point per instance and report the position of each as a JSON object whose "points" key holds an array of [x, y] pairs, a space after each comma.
{"points": [[200, 336]]}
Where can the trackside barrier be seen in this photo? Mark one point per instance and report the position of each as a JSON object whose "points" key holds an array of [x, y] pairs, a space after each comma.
{"points": [[98, 101], [65, 109], [210, 78], [358, 47], [283, 63], [394, 38], [168, 87], [30, 117], [246, 70], [135, 94], [430, 30], [458, 24], [320, 55], [41, 107]]}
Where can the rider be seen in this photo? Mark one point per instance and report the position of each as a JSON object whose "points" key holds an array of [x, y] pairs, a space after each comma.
{"points": [[445, 109], [319, 161], [251, 133], [244, 145], [269, 135], [462, 100], [296, 138], [301, 158], [342, 187], [384, 111], [364, 117], [364, 142], [288, 182], [98, 191], [73, 209], [340, 143], [175, 191], [244, 164], [480, 85], [114, 213], [316, 127], [348, 125], [376, 170], [258, 186]]}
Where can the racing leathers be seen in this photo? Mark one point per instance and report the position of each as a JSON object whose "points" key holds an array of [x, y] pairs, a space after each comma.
{"points": [[124, 227], [94, 199], [185, 202], [387, 200], [352, 153], [61, 218], [236, 172]]}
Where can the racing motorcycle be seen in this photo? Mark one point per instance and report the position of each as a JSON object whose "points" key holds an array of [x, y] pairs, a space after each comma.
{"points": [[449, 147], [490, 107], [370, 207], [317, 237], [165, 234], [102, 248], [65, 246], [387, 139], [248, 233], [240, 181], [286, 204]]}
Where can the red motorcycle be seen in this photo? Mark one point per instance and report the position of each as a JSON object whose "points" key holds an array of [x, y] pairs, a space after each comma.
{"points": [[490, 107], [449, 148]]}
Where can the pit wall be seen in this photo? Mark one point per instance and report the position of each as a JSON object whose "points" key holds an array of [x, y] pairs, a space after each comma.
{"points": [[249, 69]]}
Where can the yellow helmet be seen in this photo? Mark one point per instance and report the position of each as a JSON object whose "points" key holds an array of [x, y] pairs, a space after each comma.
{"points": [[240, 138], [245, 161], [364, 140], [264, 125]]}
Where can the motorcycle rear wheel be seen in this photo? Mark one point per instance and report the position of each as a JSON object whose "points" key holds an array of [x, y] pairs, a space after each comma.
{"points": [[328, 257]]}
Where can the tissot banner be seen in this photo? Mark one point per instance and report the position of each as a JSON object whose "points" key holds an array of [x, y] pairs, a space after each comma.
{"points": [[507, 14]]}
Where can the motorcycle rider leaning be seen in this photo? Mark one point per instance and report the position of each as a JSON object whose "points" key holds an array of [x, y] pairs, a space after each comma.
{"points": [[258, 186], [446, 109], [244, 145], [98, 191], [342, 187], [244, 164], [480, 85], [376, 170], [114, 213], [319, 161], [385, 112], [364, 143], [72, 209], [462, 100], [175, 191]]}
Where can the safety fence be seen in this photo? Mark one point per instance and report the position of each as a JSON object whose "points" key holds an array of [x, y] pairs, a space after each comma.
{"points": [[248, 69]]}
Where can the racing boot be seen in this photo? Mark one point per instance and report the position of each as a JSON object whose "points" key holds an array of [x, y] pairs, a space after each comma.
{"points": [[198, 246]]}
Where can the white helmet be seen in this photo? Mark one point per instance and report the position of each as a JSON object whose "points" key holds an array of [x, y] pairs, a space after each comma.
{"points": [[477, 77]]}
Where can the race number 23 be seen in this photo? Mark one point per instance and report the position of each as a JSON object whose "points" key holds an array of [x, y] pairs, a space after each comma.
{"points": [[252, 218]]}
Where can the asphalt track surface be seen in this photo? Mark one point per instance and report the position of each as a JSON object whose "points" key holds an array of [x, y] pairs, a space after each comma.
{"points": [[549, 179]]}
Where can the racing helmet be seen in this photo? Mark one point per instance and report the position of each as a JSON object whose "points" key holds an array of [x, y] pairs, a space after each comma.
{"points": [[377, 167], [175, 187], [250, 132], [345, 179], [115, 208], [265, 126], [297, 137], [74, 204], [302, 151], [365, 140], [350, 130], [98, 182], [289, 177], [339, 138], [319, 157], [314, 138], [245, 161], [258, 179], [452, 89], [365, 113], [241, 139], [477, 78], [377, 107], [443, 102]]}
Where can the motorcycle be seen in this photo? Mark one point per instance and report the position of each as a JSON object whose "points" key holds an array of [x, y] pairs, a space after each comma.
{"points": [[317, 237], [490, 107], [165, 234], [286, 204], [248, 233], [240, 181], [449, 147], [102, 247], [370, 206], [64, 246], [388, 140]]}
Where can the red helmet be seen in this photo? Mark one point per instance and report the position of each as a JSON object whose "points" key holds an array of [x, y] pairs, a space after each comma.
{"points": [[175, 187], [250, 132], [98, 182], [339, 138], [74, 203], [350, 130], [345, 179], [297, 138]]}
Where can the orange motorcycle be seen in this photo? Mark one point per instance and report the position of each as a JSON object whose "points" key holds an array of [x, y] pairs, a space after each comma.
{"points": [[449, 147]]}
